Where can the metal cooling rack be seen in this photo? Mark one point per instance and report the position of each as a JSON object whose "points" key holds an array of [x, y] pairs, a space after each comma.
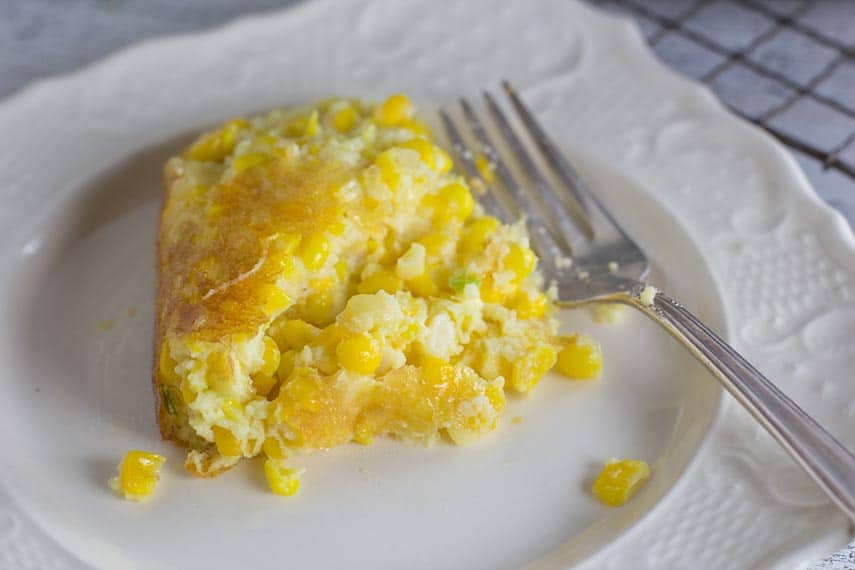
{"points": [[787, 66]]}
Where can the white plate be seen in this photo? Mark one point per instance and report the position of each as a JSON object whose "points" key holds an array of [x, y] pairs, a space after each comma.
{"points": [[707, 190]]}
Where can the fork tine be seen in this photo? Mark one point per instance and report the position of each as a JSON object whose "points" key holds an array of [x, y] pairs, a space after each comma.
{"points": [[550, 251], [599, 218], [487, 199], [567, 227]]}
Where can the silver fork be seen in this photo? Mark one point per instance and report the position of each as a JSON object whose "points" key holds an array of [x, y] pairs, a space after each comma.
{"points": [[608, 267]]}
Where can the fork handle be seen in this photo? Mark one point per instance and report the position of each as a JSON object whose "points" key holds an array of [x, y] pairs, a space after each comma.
{"points": [[822, 456]]}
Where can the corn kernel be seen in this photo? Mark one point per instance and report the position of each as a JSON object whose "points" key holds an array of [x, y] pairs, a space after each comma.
{"points": [[227, 443], [270, 356], [436, 371], [286, 365], [423, 285], [232, 410], [215, 146], [620, 480], [529, 369], [382, 280], [396, 110], [187, 394], [341, 270], [520, 260], [389, 172], [360, 354], [282, 480], [530, 307], [167, 365], [263, 384], [489, 292], [138, 474], [313, 126], [485, 168], [417, 128], [580, 358], [433, 243], [293, 333], [454, 202], [318, 307], [273, 449], [412, 263], [275, 300], [477, 233], [433, 156], [345, 119], [246, 161], [314, 250]]}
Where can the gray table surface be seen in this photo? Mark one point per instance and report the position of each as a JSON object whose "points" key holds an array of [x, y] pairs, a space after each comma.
{"points": [[40, 38]]}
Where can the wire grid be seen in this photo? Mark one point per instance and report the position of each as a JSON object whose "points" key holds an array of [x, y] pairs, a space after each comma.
{"points": [[664, 19]]}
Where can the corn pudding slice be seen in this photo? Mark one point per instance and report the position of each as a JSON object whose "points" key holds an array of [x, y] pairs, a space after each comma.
{"points": [[324, 277]]}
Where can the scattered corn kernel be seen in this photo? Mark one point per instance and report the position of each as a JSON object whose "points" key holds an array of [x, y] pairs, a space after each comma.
{"points": [[360, 354], [138, 475], [293, 333], [580, 358], [620, 480], [282, 480]]}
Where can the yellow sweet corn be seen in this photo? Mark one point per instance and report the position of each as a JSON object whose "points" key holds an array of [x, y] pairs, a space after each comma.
{"points": [[275, 300], [454, 201], [345, 119], [620, 480], [396, 110], [227, 443], [485, 169], [314, 250], [382, 280], [263, 383], [292, 333], [432, 155], [270, 356], [477, 233], [530, 307], [232, 410], [215, 146], [246, 161], [580, 358], [390, 174], [519, 260], [166, 365], [273, 449], [282, 480], [286, 365], [138, 474], [434, 243], [423, 285], [359, 353], [529, 369]]}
